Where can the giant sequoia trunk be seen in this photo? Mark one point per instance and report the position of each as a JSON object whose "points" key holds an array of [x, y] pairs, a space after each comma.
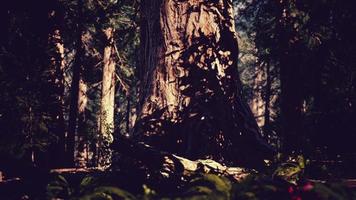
{"points": [[190, 89]]}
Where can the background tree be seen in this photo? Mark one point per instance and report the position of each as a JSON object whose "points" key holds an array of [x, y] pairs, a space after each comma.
{"points": [[28, 94], [57, 68], [299, 40]]}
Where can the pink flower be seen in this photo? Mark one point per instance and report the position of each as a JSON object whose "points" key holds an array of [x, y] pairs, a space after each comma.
{"points": [[308, 187], [291, 189]]}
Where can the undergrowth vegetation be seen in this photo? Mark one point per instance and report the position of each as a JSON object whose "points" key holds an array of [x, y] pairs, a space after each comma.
{"points": [[287, 181]]}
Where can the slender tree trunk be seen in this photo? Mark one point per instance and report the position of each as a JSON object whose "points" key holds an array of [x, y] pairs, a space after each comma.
{"points": [[57, 65], [258, 101], [290, 76], [74, 93], [107, 96], [31, 134], [81, 142], [267, 97], [128, 110], [191, 99], [291, 110]]}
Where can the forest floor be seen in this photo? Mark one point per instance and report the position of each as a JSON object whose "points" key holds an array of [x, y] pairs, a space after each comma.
{"points": [[202, 179], [142, 172]]}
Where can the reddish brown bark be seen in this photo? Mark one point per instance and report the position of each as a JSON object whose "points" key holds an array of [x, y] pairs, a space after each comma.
{"points": [[190, 90]]}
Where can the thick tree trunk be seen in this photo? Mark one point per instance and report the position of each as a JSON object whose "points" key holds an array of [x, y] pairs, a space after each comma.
{"points": [[107, 96], [190, 87]]}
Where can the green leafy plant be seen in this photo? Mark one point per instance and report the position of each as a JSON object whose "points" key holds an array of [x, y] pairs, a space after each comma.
{"points": [[59, 188], [291, 170], [209, 186]]}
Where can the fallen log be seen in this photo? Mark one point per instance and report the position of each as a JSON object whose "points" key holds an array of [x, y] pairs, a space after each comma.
{"points": [[76, 170], [170, 165]]}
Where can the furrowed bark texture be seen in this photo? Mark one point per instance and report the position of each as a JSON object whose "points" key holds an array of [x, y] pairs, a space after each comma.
{"points": [[190, 83]]}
